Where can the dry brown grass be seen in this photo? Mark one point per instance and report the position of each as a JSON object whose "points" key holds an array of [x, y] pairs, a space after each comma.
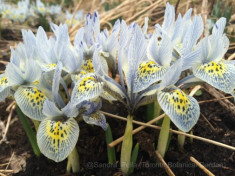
{"points": [[137, 10]]}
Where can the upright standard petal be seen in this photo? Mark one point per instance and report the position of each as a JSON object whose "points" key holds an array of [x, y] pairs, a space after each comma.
{"points": [[182, 109], [173, 74], [14, 74], [56, 139], [50, 109], [192, 35], [169, 18], [219, 26]]}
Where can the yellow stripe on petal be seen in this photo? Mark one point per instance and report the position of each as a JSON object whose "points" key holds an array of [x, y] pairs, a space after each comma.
{"points": [[87, 88], [87, 65], [147, 74], [220, 75], [77, 77], [30, 100], [49, 67], [87, 83], [182, 109], [5, 89], [3, 81], [214, 69], [56, 139]]}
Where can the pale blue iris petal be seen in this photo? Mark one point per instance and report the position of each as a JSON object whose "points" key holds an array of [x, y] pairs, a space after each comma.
{"points": [[96, 119], [146, 100], [192, 35], [191, 59], [30, 100], [79, 37], [70, 110], [50, 109], [91, 106], [161, 53], [55, 86], [32, 71], [57, 139], [178, 29], [113, 39], [182, 109], [99, 64], [217, 46], [87, 88], [4, 93], [147, 74], [30, 44], [172, 74], [4, 83], [165, 51], [136, 54], [108, 97], [188, 14], [96, 24], [114, 89], [14, 74], [169, 17], [145, 27], [125, 35], [219, 26], [221, 75], [188, 80]]}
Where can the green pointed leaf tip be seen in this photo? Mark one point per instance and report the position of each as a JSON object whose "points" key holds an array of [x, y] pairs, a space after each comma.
{"points": [[111, 151], [134, 156]]}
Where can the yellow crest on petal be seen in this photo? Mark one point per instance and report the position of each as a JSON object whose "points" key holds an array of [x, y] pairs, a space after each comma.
{"points": [[58, 132], [87, 65], [56, 139], [214, 69], [179, 100], [147, 73], [182, 109], [30, 100], [3, 81], [87, 83], [35, 97], [220, 74], [147, 68]]}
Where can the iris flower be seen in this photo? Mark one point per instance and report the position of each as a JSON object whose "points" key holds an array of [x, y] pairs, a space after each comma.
{"points": [[212, 68], [58, 133]]}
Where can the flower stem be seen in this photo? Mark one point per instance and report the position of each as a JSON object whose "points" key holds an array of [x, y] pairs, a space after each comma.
{"points": [[29, 131], [36, 124], [181, 140], [157, 109], [127, 146], [73, 162], [163, 137]]}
